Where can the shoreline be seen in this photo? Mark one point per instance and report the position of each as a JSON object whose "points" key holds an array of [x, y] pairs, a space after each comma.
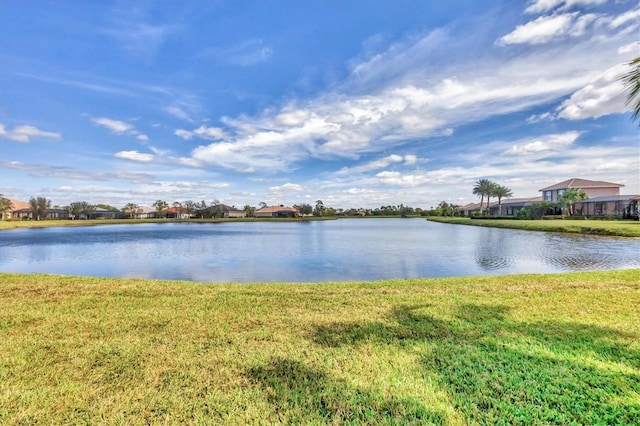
{"points": [[610, 228], [626, 229]]}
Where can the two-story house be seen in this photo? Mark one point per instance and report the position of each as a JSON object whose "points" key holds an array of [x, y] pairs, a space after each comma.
{"points": [[592, 188]]}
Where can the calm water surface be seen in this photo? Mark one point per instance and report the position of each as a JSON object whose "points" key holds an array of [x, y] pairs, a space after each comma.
{"points": [[362, 249]]}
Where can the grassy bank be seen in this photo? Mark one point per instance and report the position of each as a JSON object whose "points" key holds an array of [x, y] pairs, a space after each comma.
{"points": [[518, 349], [592, 227], [11, 224]]}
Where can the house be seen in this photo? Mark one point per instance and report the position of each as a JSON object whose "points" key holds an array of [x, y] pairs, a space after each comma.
{"points": [[510, 206], [228, 211], [277, 211], [144, 212], [622, 206], [592, 188], [100, 213], [27, 213]]}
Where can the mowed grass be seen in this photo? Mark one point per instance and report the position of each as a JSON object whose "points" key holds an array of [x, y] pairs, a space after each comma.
{"points": [[624, 228], [18, 224], [528, 349]]}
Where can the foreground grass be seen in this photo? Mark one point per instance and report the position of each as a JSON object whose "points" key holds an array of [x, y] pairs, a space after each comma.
{"points": [[597, 227], [524, 349]]}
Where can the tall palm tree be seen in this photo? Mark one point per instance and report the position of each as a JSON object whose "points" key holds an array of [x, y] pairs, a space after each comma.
{"points": [[631, 82], [484, 188], [501, 192]]}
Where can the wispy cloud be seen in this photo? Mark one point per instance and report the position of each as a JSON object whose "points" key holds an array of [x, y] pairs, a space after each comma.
{"points": [[120, 127], [247, 53], [25, 133]]}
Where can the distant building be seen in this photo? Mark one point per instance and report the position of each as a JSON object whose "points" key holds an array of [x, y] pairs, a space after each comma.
{"points": [[277, 211], [228, 211]]}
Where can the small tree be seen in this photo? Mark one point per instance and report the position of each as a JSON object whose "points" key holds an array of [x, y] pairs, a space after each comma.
{"points": [[305, 209], [131, 209], [160, 205], [178, 206], [5, 206], [39, 207], [249, 210], [570, 197]]}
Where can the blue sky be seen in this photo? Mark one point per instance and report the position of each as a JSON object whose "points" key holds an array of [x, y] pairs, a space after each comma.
{"points": [[357, 103]]}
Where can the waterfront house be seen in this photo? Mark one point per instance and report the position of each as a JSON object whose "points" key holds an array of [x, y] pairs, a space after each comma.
{"points": [[277, 211], [231, 211], [592, 188]]}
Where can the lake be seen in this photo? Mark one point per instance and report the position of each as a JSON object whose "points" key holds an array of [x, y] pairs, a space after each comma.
{"points": [[336, 250]]}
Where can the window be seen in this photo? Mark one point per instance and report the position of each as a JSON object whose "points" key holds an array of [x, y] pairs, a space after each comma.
{"points": [[561, 192], [547, 195]]}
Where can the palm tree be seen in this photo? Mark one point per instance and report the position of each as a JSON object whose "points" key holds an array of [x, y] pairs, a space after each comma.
{"points": [[484, 187], [501, 192], [631, 82]]}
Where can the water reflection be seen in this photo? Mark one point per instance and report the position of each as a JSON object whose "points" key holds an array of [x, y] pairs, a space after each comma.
{"points": [[362, 249]]}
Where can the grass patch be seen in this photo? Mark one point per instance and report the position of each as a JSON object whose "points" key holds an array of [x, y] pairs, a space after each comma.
{"points": [[592, 227], [528, 349], [16, 224]]}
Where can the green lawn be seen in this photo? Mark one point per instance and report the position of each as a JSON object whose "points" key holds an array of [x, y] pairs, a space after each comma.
{"points": [[14, 224], [579, 226], [529, 349]]}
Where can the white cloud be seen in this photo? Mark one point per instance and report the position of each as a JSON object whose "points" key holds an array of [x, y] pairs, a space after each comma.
{"points": [[184, 134], [116, 126], [544, 144], [291, 187], [380, 163], [543, 29], [540, 6], [409, 103], [142, 137], [134, 156], [213, 133], [602, 96], [24, 133]]}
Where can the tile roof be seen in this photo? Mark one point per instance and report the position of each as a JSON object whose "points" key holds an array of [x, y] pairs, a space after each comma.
{"points": [[581, 183], [19, 205]]}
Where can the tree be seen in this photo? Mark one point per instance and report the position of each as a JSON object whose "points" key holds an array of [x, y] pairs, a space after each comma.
{"points": [[249, 211], [80, 208], [543, 206], [262, 204], [131, 208], [5, 206], [484, 188], [319, 208], [178, 206], [570, 197], [160, 205], [305, 209], [631, 81], [189, 207], [501, 192], [39, 207]]}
